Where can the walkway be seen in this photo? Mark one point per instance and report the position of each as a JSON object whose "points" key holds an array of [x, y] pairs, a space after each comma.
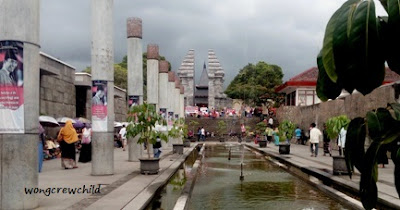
{"points": [[321, 166]]}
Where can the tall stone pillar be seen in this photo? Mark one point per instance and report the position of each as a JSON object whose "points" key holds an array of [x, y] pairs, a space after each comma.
{"points": [[182, 102], [163, 90], [102, 87], [135, 77], [152, 74], [186, 74], [19, 147], [177, 105], [171, 107]]}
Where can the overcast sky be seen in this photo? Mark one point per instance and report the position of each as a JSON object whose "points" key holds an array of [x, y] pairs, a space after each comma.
{"points": [[286, 33]]}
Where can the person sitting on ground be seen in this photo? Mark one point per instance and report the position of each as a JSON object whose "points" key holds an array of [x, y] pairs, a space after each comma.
{"points": [[51, 147]]}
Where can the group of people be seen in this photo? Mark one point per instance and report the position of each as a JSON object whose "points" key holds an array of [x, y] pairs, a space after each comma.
{"points": [[67, 144]]}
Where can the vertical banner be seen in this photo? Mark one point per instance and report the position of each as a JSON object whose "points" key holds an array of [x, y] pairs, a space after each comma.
{"points": [[99, 105], [170, 118], [163, 113], [11, 87], [133, 101]]}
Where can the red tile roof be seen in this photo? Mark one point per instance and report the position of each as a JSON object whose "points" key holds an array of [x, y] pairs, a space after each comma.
{"points": [[309, 78]]}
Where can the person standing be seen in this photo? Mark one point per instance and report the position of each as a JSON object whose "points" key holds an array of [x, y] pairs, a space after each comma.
{"points": [[269, 132], [243, 129], [297, 132], [156, 148], [86, 151], [342, 140], [271, 121], [203, 134], [122, 137], [67, 138], [326, 142], [41, 144], [315, 137]]}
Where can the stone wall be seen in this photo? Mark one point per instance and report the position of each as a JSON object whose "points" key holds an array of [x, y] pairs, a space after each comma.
{"points": [[57, 92], [355, 105], [120, 104]]}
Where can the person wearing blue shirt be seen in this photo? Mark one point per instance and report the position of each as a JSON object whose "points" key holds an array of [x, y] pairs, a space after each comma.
{"points": [[298, 134]]}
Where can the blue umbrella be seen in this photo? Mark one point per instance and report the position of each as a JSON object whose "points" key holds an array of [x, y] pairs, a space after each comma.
{"points": [[78, 124]]}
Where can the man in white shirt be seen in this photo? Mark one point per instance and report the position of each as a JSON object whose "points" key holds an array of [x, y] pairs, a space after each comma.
{"points": [[122, 136], [271, 121], [315, 137]]}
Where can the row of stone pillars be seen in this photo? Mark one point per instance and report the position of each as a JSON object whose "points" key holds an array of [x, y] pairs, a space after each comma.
{"points": [[19, 152]]}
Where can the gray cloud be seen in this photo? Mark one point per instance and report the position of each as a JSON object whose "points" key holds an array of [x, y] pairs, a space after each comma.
{"points": [[285, 33]]}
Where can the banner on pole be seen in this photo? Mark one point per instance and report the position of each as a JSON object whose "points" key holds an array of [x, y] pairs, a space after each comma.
{"points": [[11, 87], [99, 105]]}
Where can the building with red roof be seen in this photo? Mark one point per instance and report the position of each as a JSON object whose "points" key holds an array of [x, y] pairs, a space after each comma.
{"points": [[300, 90]]}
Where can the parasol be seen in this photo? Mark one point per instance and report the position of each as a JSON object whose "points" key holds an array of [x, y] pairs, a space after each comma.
{"points": [[64, 120], [48, 121]]}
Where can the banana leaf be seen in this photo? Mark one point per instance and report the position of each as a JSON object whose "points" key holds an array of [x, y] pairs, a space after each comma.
{"points": [[326, 88], [393, 45], [355, 140]]}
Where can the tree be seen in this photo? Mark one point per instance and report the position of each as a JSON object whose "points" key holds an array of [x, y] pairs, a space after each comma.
{"points": [[356, 46], [255, 82], [121, 73]]}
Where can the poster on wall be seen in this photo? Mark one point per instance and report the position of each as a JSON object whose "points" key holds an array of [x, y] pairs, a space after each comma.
{"points": [[11, 87], [99, 105], [163, 113], [170, 118], [133, 101]]}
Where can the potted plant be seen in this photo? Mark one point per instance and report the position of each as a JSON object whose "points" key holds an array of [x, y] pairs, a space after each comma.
{"points": [[192, 133], [221, 130], [286, 131], [179, 130], [333, 127], [260, 128], [142, 121]]}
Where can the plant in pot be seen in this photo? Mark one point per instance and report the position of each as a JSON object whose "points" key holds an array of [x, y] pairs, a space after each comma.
{"points": [[333, 127], [142, 121], [221, 130], [286, 131], [192, 132], [178, 131]]}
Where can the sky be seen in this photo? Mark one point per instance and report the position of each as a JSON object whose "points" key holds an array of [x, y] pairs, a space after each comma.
{"points": [[285, 33]]}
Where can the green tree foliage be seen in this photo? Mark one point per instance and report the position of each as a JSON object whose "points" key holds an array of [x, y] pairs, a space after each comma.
{"points": [[255, 83], [121, 73], [356, 46]]}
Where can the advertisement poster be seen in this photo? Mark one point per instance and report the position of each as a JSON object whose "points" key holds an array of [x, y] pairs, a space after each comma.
{"points": [[170, 118], [11, 87], [163, 113], [99, 105], [133, 101]]}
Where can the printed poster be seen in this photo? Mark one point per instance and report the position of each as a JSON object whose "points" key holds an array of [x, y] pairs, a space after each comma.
{"points": [[133, 101], [99, 105], [170, 118], [163, 113], [11, 87]]}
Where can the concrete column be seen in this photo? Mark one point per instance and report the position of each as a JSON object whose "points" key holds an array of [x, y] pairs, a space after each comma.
{"points": [[171, 98], [177, 105], [135, 75], [103, 69], [163, 89], [152, 74], [182, 102], [19, 152]]}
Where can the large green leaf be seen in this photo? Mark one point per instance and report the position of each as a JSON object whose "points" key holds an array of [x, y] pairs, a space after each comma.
{"points": [[355, 140], [341, 49], [327, 50], [369, 175], [326, 89], [393, 58], [396, 108], [384, 4], [365, 44], [381, 125]]}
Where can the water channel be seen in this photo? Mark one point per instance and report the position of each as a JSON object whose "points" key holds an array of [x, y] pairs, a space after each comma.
{"points": [[265, 186]]}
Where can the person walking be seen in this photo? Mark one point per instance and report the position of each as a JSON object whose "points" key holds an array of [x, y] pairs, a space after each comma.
{"points": [[67, 138], [342, 140], [298, 135], [326, 142], [315, 137], [86, 150], [203, 134], [122, 137]]}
